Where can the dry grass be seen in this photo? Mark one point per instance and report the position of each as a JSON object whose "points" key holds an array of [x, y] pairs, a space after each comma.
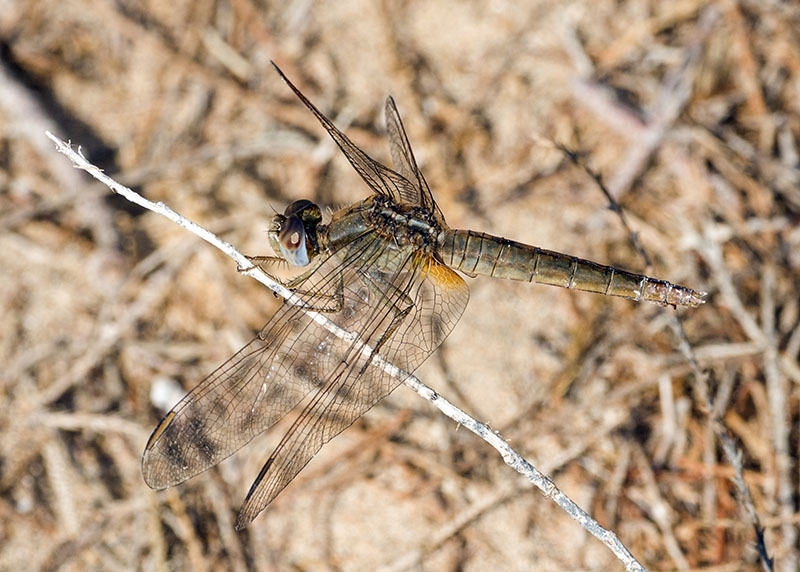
{"points": [[690, 114]]}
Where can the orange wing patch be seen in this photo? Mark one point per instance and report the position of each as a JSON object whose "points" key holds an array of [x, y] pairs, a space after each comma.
{"points": [[443, 275]]}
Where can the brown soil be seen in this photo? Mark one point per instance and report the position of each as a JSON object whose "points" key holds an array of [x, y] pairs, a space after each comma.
{"points": [[690, 114]]}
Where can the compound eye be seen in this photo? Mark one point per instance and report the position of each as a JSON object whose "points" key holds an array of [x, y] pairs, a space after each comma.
{"points": [[296, 207], [292, 235], [292, 241]]}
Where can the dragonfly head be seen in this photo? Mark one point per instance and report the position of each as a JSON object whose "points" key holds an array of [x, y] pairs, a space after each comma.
{"points": [[293, 234]]}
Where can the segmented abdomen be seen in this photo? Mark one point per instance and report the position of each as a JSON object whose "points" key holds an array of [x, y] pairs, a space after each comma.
{"points": [[479, 253]]}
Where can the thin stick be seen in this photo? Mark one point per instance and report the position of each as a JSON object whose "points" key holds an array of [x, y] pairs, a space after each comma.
{"points": [[509, 455], [615, 207]]}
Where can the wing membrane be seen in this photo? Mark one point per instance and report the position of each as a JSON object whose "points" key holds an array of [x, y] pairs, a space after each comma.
{"points": [[406, 318], [404, 161], [403, 314], [379, 178], [254, 389]]}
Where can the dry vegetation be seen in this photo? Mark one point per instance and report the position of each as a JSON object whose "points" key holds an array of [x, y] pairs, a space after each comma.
{"points": [[688, 111]]}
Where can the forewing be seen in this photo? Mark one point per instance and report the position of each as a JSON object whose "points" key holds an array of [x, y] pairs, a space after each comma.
{"points": [[255, 388], [404, 161], [380, 179], [405, 314]]}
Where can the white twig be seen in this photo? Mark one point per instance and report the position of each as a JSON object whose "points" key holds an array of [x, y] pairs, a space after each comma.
{"points": [[510, 456]]}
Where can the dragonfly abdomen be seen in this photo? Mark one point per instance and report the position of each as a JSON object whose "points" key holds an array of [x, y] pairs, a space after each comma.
{"points": [[487, 255]]}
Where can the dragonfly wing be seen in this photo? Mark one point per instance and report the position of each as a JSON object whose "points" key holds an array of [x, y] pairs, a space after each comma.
{"points": [[291, 356], [404, 161], [405, 314], [379, 178]]}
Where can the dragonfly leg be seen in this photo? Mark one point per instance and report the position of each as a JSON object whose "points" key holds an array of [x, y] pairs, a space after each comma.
{"points": [[260, 261], [314, 300], [397, 319], [293, 284], [395, 299]]}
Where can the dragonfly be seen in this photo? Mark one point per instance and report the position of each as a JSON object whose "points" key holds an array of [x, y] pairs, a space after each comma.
{"points": [[385, 270]]}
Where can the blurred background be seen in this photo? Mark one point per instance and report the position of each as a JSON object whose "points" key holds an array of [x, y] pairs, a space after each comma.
{"points": [[688, 110]]}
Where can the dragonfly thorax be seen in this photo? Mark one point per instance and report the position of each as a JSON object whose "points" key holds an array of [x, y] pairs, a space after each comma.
{"points": [[293, 234], [404, 225]]}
